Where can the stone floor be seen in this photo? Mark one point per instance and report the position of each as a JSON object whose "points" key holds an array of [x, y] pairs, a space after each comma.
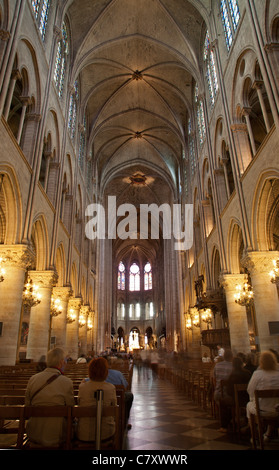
{"points": [[162, 418]]}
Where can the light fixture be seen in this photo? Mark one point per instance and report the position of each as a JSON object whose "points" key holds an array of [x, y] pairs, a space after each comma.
{"points": [[56, 307], [189, 323], [71, 317], [89, 325], [2, 271], [207, 316], [244, 295], [274, 274], [30, 296], [81, 321], [196, 320]]}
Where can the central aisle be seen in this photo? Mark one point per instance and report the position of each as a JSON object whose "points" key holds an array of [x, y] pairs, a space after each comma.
{"points": [[163, 419]]}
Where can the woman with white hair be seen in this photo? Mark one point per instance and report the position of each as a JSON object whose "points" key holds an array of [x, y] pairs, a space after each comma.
{"points": [[265, 377]]}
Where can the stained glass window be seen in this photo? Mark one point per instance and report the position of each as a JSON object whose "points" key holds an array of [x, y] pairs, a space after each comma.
{"points": [[41, 10], [134, 277], [230, 18], [147, 277], [73, 111], [191, 145], [36, 6], [211, 73], [121, 276], [200, 116], [61, 59], [82, 145]]}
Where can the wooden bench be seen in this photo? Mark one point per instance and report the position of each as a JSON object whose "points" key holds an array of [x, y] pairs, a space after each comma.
{"points": [[20, 414]]}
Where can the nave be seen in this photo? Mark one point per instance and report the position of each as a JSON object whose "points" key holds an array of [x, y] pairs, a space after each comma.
{"points": [[164, 418]]}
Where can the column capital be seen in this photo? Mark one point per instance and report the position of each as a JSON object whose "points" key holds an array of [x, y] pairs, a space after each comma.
{"points": [[20, 256], [239, 127], [84, 310], [75, 303], [63, 293], [44, 279], [230, 281], [259, 261]]}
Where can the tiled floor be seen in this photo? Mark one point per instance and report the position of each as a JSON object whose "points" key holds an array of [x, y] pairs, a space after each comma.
{"points": [[163, 418]]}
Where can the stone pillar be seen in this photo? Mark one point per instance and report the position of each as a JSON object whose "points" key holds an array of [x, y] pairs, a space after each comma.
{"points": [[259, 264], [72, 331], [238, 323], [16, 259], [39, 326], [59, 323], [84, 310], [90, 327]]}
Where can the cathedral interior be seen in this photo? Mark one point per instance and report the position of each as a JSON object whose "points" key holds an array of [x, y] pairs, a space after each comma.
{"points": [[110, 108]]}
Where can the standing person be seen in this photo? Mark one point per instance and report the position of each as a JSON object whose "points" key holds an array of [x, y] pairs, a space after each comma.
{"points": [[265, 377], [49, 388], [98, 372], [238, 375], [221, 371]]}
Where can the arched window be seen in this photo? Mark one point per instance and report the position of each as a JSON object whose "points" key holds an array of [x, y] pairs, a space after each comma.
{"points": [[230, 17], [147, 277], [61, 59], [211, 74], [121, 276], [73, 111], [200, 116], [41, 10], [134, 277]]}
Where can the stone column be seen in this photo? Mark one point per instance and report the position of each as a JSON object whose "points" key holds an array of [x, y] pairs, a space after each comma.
{"points": [[90, 327], [59, 323], [259, 264], [16, 259], [72, 328], [238, 323], [84, 310], [39, 326]]}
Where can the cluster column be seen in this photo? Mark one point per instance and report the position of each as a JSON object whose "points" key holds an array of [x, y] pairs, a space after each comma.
{"points": [[259, 264], [238, 323]]}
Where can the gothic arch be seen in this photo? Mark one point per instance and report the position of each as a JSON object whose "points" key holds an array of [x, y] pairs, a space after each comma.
{"points": [[265, 212], [60, 265], [235, 247], [39, 236], [11, 206]]}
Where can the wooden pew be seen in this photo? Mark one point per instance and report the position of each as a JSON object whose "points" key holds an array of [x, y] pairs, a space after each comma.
{"points": [[19, 414]]}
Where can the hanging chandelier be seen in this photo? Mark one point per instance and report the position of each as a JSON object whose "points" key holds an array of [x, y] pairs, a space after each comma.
{"points": [[274, 274], [30, 296], [196, 320], [56, 307], [189, 323], [71, 317], [2, 271], [81, 321], [89, 325], [206, 316], [244, 295]]}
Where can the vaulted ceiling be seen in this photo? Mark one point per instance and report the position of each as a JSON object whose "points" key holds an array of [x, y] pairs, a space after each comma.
{"points": [[137, 61]]}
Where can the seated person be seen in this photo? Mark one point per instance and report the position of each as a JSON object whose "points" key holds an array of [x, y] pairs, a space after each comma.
{"points": [[238, 375], [265, 377], [116, 377], [97, 371], [40, 392]]}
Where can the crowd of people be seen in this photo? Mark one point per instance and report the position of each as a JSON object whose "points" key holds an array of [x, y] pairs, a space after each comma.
{"points": [[51, 387], [258, 371]]}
